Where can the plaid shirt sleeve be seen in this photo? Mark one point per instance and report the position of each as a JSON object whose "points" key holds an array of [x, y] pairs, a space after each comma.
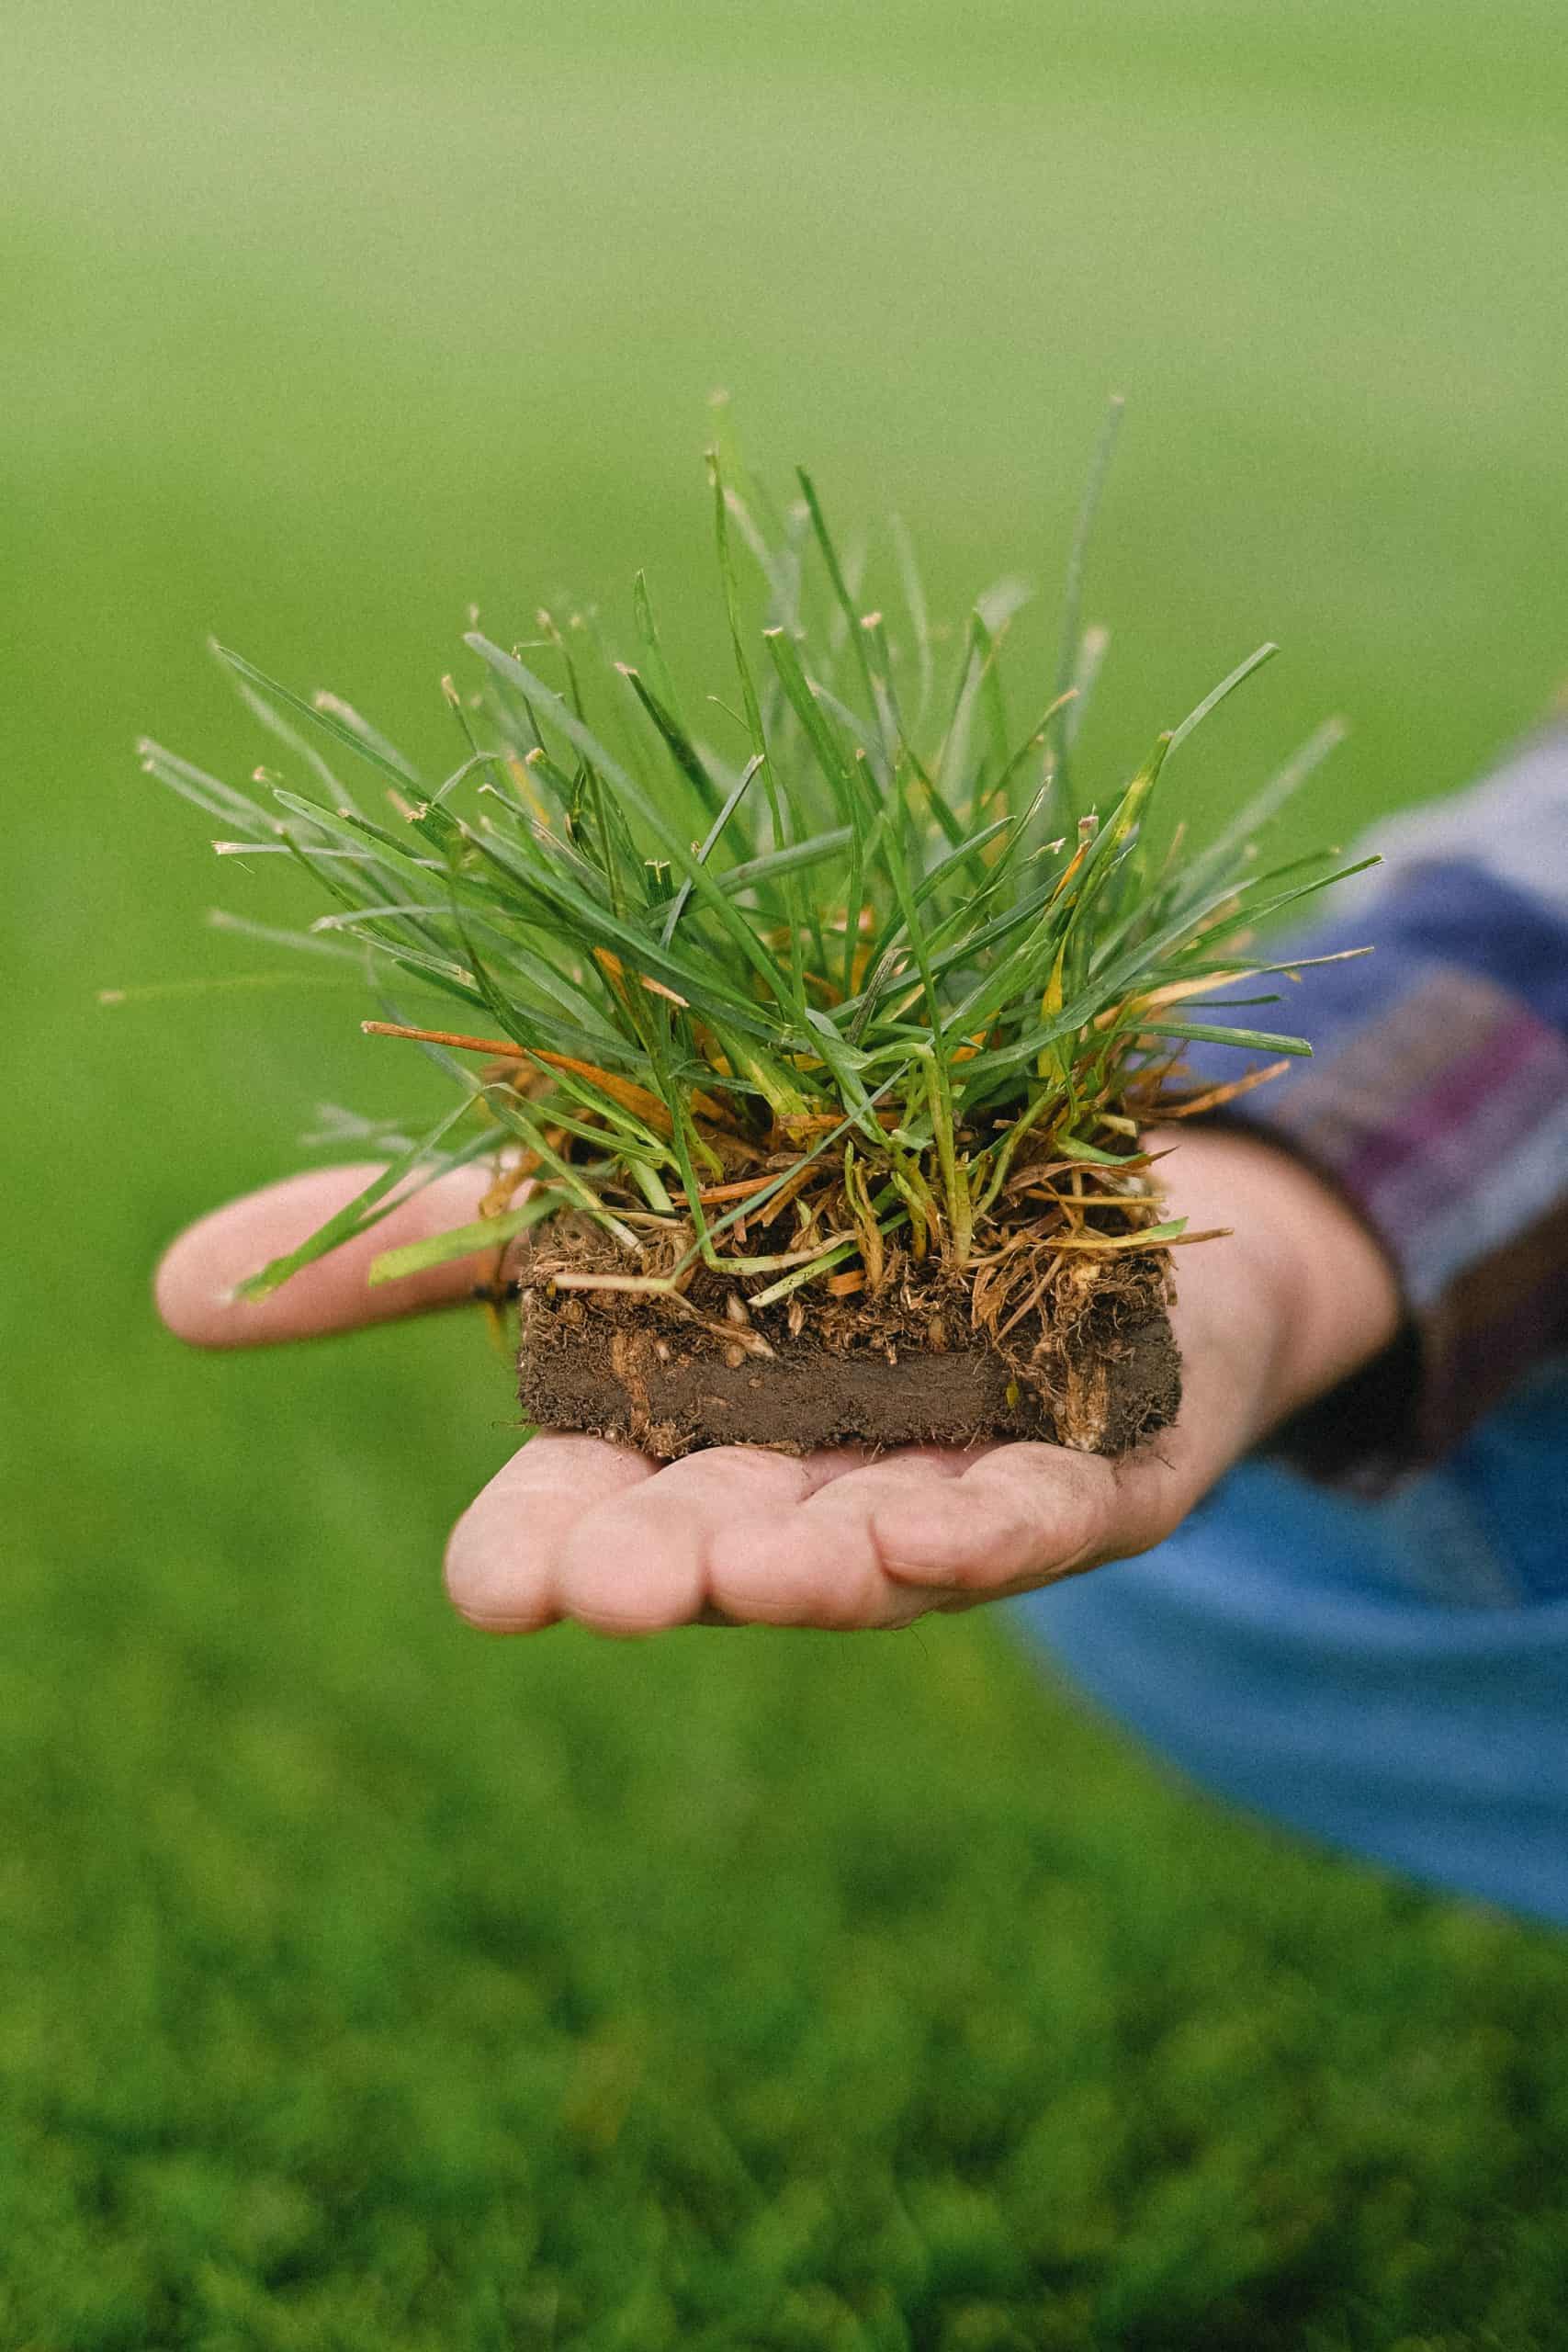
{"points": [[1436, 1104]]}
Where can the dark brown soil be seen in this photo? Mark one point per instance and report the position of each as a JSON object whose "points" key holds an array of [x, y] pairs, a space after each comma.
{"points": [[1096, 1368]]}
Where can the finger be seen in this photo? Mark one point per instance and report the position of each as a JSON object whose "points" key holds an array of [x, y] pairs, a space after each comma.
{"points": [[503, 1559], [638, 1563], [918, 1531], [194, 1285], [1018, 1515], [821, 1565]]}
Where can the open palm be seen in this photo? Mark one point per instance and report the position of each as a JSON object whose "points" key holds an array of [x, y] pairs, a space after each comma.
{"points": [[574, 1527]]}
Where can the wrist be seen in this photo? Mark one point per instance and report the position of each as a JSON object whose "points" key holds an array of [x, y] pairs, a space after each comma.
{"points": [[1307, 1287]]}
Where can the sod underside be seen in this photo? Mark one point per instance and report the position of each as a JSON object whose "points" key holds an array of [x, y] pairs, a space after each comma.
{"points": [[663, 1376]]}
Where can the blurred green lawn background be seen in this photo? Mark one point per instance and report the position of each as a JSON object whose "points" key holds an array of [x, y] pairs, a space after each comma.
{"points": [[363, 1984]]}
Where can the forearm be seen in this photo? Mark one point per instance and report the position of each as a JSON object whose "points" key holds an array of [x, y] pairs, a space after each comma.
{"points": [[1299, 1295]]}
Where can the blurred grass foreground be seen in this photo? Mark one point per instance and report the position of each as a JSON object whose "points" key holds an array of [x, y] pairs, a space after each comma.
{"points": [[366, 1985]]}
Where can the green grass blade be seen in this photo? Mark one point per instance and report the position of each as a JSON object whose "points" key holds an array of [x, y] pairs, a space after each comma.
{"points": [[1262, 1041], [710, 840], [836, 575], [326, 720], [1077, 561], [425, 1161], [1227, 685], [683, 752], [465, 1240]]}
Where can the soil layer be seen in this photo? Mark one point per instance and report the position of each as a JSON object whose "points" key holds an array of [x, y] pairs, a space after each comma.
{"points": [[1096, 1368]]}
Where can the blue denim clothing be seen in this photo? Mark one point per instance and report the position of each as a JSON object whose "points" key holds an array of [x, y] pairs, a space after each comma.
{"points": [[1390, 1676]]}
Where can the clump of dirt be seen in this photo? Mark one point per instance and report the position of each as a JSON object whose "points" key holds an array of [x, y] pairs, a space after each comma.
{"points": [[1088, 1361]]}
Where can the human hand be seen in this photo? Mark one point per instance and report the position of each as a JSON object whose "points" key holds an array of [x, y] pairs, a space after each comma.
{"points": [[1295, 1298]]}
